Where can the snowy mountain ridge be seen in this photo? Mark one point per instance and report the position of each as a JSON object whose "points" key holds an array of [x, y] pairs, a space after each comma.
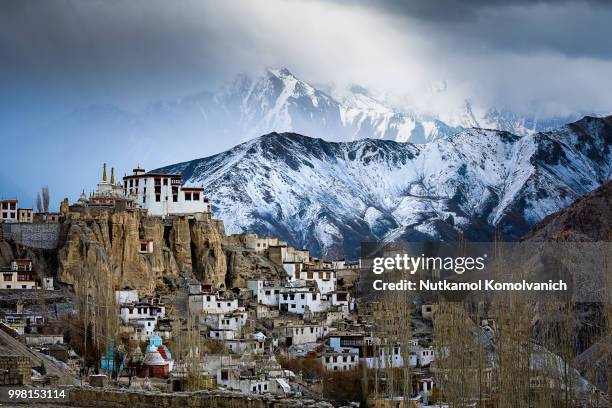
{"points": [[330, 196]]}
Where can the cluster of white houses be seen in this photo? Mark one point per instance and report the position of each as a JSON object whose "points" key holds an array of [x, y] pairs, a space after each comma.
{"points": [[142, 319], [304, 311]]}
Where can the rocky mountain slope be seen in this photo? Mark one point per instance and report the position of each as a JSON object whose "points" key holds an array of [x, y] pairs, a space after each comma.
{"points": [[588, 219], [329, 196]]}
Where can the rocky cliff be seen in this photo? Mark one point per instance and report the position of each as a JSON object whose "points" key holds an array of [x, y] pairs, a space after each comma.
{"points": [[107, 247]]}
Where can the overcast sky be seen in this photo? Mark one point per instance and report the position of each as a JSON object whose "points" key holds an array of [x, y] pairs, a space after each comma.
{"points": [[128, 53], [59, 55]]}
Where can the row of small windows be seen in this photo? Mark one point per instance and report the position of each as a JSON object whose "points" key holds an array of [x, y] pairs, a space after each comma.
{"points": [[302, 296], [188, 196], [345, 359]]}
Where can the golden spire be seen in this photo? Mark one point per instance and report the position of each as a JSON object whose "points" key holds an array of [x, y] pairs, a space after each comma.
{"points": [[112, 175], [104, 173]]}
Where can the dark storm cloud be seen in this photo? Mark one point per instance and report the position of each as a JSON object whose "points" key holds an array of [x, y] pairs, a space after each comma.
{"points": [[498, 51], [577, 28], [139, 44]]}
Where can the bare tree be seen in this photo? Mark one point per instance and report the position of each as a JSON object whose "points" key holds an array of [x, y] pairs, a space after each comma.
{"points": [[39, 206], [45, 198]]}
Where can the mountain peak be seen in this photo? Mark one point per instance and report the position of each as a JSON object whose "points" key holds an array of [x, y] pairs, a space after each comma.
{"points": [[330, 196], [281, 72]]}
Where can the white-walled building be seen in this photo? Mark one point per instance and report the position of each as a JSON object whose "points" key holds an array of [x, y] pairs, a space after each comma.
{"points": [[340, 361], [426, 356], [267, 292], [301, 334], [325, 279], [298, 299], [163, 194], [227, 321], [138, 311], [8, 210], [253, 242], [212, 303], [19, 275], [222, 334]]}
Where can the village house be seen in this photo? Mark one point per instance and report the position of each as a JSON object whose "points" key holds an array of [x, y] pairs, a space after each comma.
{"points": [[222, 334], [325, 279], [255, 243], [8, 210], [301, 297], [267, 292], [19, 275], [253, 381], [212, 303], [164, 194], [142, 310], [25, 215], [21, 321], [297, 334], [334, 361], [225, 321], [48, 217], [255, 344], [141, 320], [283, 253]]}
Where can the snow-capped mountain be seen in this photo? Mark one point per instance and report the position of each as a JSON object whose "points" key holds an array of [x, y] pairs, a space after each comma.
{"points": [[329, 196], [278, 101]]}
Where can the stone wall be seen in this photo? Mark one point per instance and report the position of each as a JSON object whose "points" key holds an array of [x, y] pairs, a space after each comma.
{"points": [[15, 370], [89, 397], [40, 236]]}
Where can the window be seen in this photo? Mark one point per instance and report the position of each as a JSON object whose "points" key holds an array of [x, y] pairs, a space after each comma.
{"points": [[196, 196], [303, 296], [157, 198], [131, 183], [187, 196], [144, 199], [224, 375], [4, 214], [8, 277], [174, 198], [165, 182]]}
